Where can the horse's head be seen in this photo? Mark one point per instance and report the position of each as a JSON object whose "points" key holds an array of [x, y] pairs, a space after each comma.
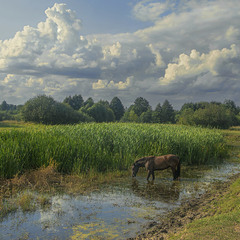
{"points": [[135, 168]]}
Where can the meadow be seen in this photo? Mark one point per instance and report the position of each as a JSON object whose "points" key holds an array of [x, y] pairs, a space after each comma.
{"points": [[103, 147]]}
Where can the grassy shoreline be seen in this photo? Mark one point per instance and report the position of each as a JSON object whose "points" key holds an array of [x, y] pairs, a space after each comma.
{"points": [[221, 219], [215, 215]]}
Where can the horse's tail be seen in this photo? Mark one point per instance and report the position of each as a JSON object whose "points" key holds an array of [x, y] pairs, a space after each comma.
{"points": [[178, 169]]}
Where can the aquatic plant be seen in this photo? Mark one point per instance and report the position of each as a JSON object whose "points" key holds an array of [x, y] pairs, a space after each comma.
{"points": [[102, 147]]}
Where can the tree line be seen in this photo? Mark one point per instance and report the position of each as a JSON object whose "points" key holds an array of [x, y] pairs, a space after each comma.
{"points": [[44, 109]]}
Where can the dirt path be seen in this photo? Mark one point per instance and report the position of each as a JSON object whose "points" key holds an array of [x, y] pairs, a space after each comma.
{"points": [[188, 211]]}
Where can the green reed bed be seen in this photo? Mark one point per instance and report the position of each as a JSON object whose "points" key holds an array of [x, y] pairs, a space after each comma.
{"points": [[102, 147]]}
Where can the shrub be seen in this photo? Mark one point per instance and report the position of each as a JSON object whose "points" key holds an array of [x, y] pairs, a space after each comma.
{"points": [[45, 110]]}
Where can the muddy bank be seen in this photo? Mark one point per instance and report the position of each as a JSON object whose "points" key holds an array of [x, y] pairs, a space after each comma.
{"points": [[188, 211]]}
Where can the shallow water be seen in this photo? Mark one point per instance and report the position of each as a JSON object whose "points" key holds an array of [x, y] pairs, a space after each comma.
{"points": [[116, 211]]}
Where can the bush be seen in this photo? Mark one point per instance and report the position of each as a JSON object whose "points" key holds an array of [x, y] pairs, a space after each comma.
{"points": [[216, 116], [45, 110], [213, 115]]}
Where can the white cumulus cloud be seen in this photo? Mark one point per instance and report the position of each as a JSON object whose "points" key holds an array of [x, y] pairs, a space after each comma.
{"points": [[191, 46], [104, 84], [196, 64]]}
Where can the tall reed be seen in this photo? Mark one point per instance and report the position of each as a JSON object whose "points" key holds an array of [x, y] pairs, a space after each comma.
{"points": [[102, 147]]}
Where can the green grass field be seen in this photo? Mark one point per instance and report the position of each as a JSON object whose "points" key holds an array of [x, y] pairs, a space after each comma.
{"points": [[102, 147]]}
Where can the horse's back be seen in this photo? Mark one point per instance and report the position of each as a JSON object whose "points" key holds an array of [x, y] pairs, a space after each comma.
{"points": [[165, 161], [171, 158]]}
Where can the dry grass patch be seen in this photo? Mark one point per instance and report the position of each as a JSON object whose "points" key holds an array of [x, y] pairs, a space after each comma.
{"points": [[34, 189], [42, 179]]}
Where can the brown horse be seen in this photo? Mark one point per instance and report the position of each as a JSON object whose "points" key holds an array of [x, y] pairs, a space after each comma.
{"points": [[152, 163]]}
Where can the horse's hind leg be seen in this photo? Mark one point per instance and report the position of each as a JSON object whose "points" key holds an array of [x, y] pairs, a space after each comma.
{"points": [[149, 174], [153, 175], [174, 173]]}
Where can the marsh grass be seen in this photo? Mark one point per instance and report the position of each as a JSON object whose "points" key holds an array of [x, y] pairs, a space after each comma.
{"points": [[105, 147], [25, 201], [7, 206], [44, 201]]}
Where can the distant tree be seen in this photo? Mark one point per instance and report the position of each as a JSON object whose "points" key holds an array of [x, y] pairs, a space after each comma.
{"points": [[188, 106], [104, 102], [157, 114], [9, 111], [64, 114], [76, 102], [88, 103], [201, 105], [19, 107], [4, 106], [196, 106], [146, 117], [129, 116], [229, 104], [117, 108], [168, 114], [141, 105], [101, 113], [214, 102], [186, 117]]}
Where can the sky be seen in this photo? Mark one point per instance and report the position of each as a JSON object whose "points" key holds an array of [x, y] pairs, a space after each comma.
{"points": [[179, 50]]}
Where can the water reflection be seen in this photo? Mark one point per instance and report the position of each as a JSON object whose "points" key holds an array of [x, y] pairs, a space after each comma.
{"points": [[165, 191], [117, 211]]}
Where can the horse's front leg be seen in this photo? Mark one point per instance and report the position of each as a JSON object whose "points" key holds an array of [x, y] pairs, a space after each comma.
{"points": [[150, 172]]}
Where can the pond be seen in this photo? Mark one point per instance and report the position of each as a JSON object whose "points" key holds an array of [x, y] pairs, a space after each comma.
{"points": [[116, 211]]}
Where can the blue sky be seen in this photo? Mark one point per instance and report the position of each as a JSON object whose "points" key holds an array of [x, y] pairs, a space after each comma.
{"points": [[105, 16], [183, 51]]}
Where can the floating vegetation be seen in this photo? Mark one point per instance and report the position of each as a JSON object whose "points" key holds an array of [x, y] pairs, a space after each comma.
{"points": [[97, 230], [26, 201]]}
